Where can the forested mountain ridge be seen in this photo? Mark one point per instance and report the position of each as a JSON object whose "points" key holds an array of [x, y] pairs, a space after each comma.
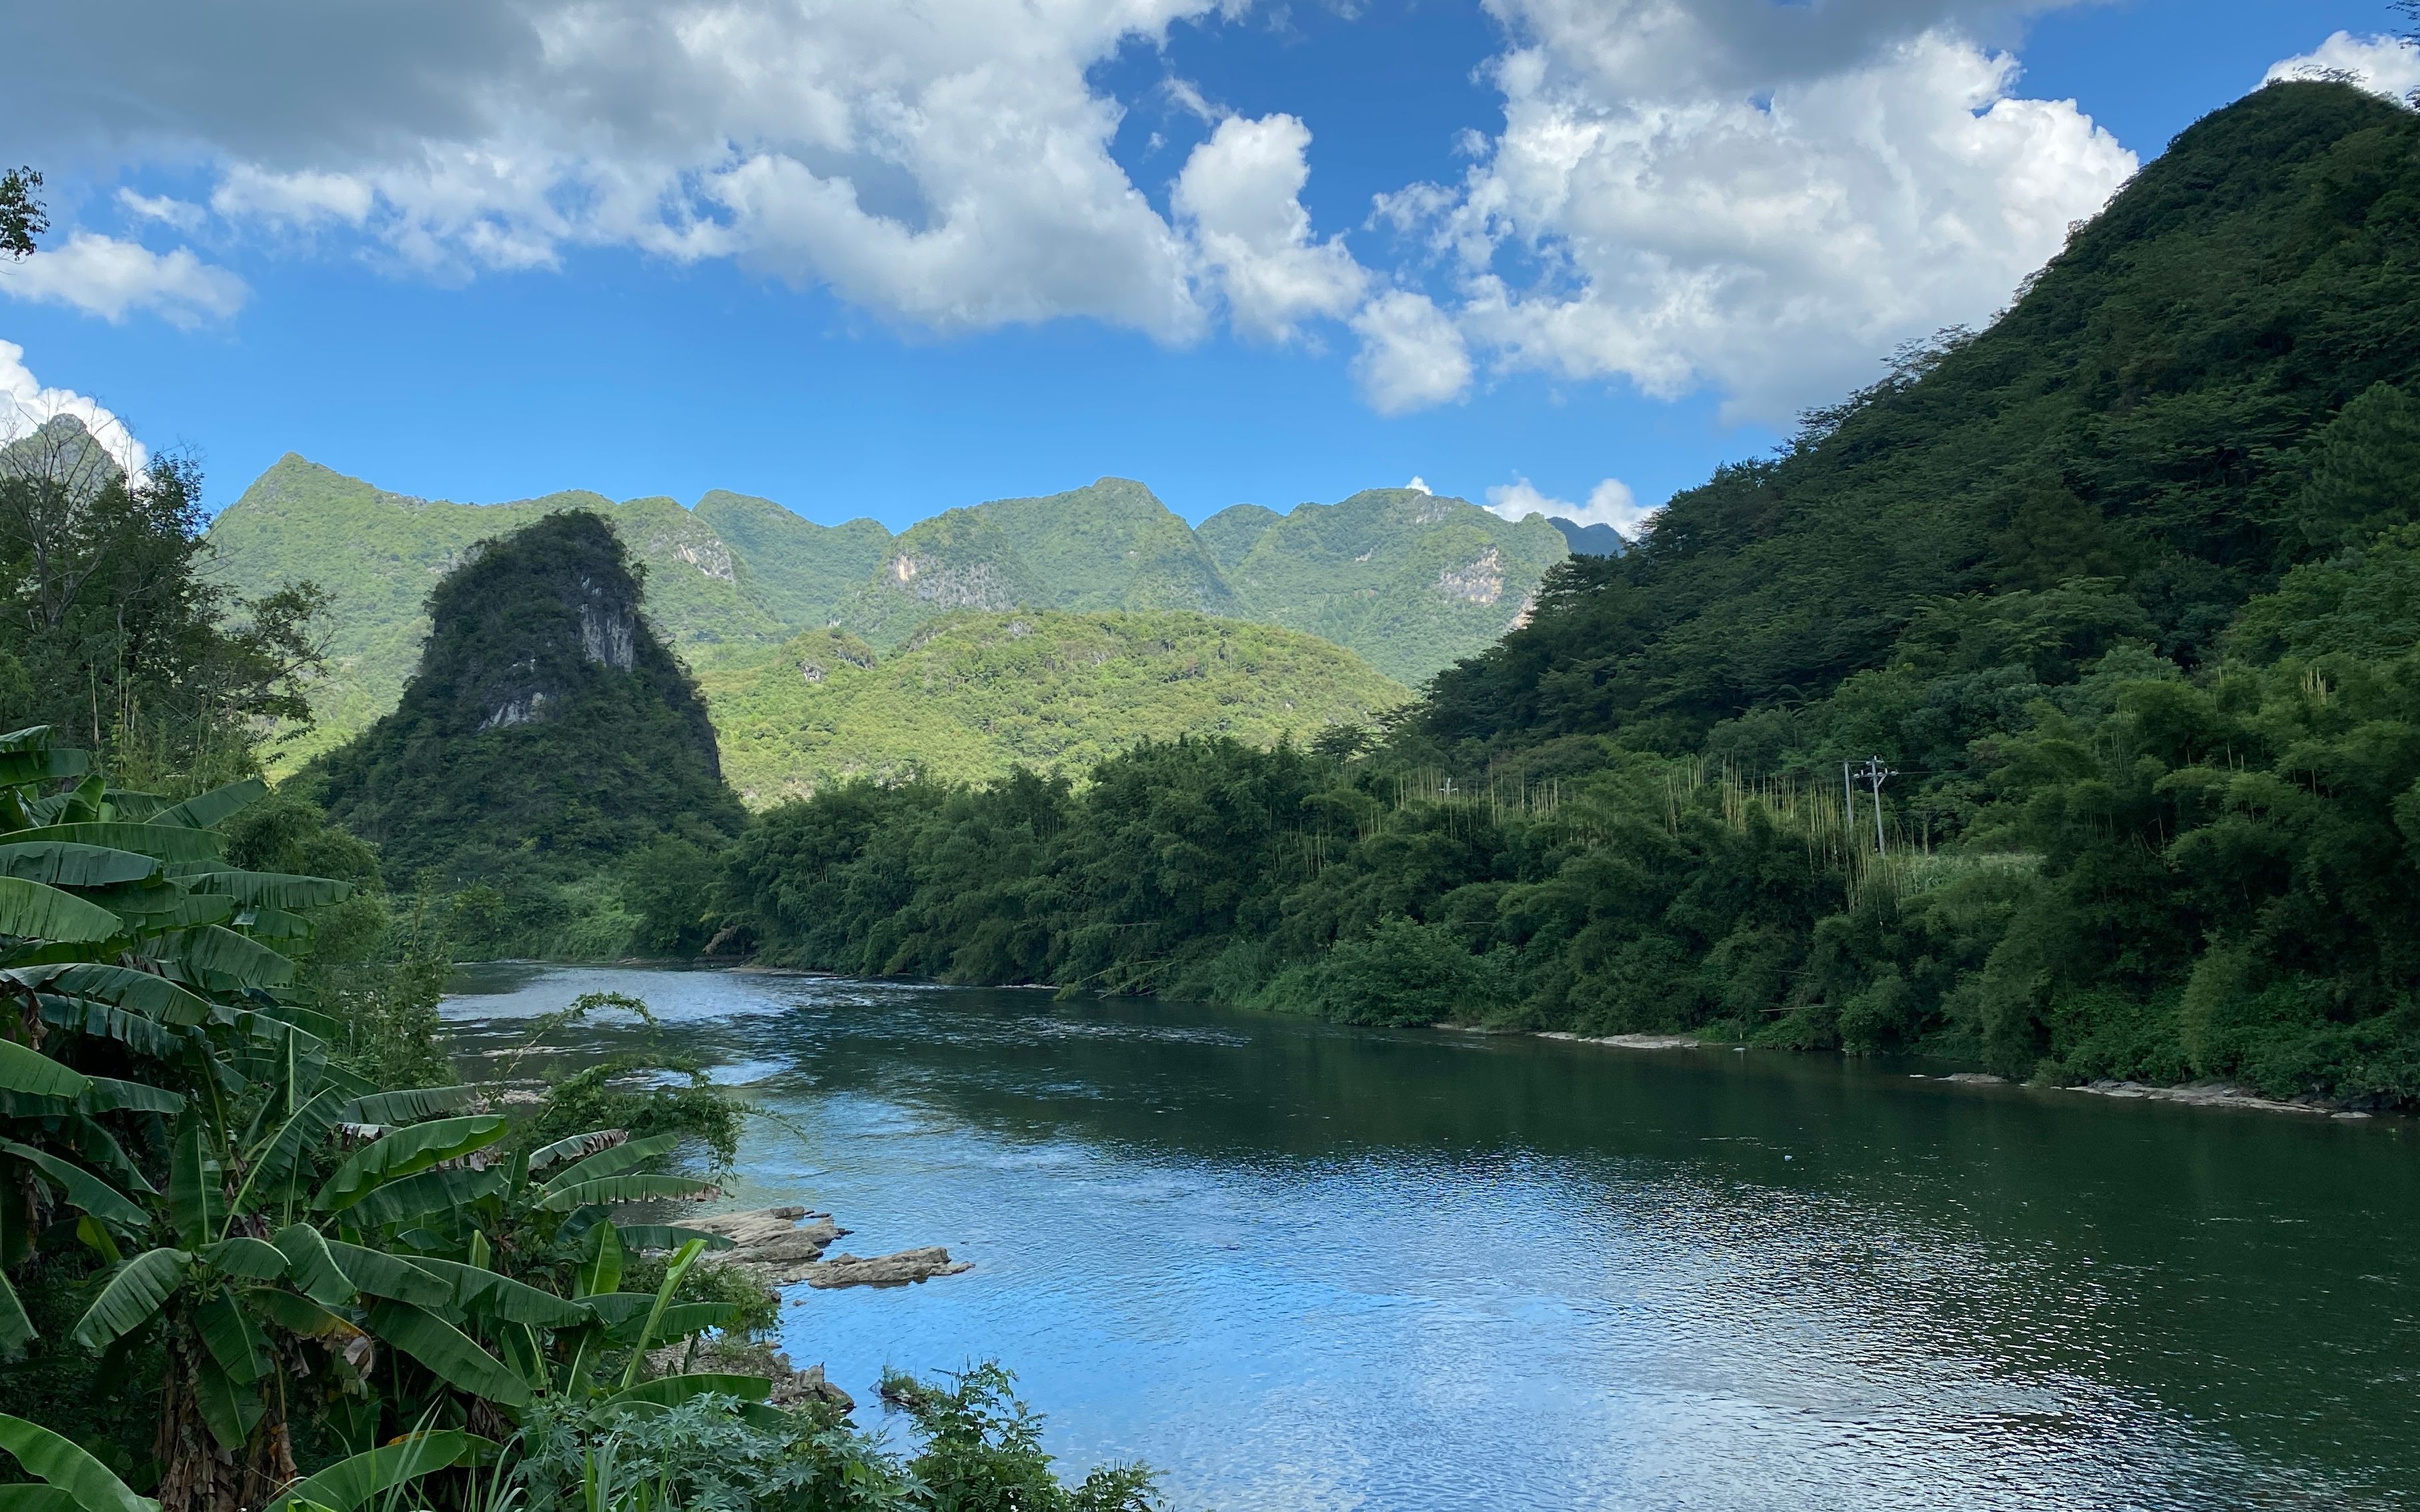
{"points": [[2123, 591], [973, 694], [1406, 580]]}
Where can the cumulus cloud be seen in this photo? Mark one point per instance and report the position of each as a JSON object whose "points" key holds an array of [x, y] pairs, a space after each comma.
{"points": [[26, 406], [1241, 196], [1609, 502], [2386, 65], [1419, 483], [1704, 211], [1411, 355], [944, 163], [104, 276]]}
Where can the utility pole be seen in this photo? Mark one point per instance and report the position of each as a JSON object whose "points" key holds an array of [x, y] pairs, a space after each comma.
{"points": [[1849, 790], [1874, 774]]}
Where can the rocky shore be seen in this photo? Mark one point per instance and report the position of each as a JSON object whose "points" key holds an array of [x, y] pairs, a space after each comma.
{"points": [[785, 1245]]}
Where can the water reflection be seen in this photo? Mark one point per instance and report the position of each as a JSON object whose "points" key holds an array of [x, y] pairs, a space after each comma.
{"points": [[1300, 1266]]}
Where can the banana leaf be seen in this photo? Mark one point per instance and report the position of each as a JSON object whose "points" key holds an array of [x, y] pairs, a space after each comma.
{"points": [[228, 1411], [86, 1192], [65, 864], [449, 1353], [625, 1188], [488, 1295], [600, 1265], [31, 911], [350, 1485], [387, 1275], [27, 1071], [164, 842], [110, 1095], [65, 1466], [221, 959], [404, 1106], [274, 889], [576, 1147], [407, 1152], [254, 1260], [87, 1016], [671, 1391], [97, 1146], [313, 1267], [299, 1314], [280, 1158], [615, 1160], [669, 1237], [194, 1194], [134, 1295], [138, 991], [231, 1338], [445, 1190], [207, 811], [15, 1329]]}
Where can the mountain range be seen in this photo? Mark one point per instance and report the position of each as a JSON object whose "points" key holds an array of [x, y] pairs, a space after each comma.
{"points": [[1410, 580]]}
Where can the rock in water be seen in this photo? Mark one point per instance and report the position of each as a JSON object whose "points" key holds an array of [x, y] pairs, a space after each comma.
{"points": [[896, 1270]]}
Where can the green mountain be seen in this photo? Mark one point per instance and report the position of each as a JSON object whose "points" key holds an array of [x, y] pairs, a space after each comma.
{"points": [[798, 570], [1113, 546], [547, 733], [974, 693], [961, 560], [1411, 580], [2121, 596]]}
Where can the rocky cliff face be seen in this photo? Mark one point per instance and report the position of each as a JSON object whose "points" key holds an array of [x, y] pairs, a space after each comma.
{"points": [[546, 716]]}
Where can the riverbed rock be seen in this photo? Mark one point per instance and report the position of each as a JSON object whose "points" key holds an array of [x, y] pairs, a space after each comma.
{"points": [[792, 1388], [780, 1244], [1629, 1041], [2201, 1095], [906, 1266]]}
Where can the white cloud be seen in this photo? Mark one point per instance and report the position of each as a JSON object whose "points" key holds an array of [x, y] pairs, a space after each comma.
{"points": [[1417, 485], [179, 213], [1684, 197], [25, 406], [296, 198], [1240, 195], [1609, 502], [944, 163], [1411, 355], [104, 276], [2386, 65]]}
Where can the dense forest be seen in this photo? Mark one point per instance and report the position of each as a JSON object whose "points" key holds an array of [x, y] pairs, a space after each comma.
{"points": [[2122, 593]]}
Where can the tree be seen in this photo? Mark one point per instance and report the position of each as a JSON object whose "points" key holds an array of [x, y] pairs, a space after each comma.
{"points": [[21, 218]]}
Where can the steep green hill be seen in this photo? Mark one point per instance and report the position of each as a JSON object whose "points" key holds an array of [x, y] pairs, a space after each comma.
{"points": [[1112, 545], [975, 693], [546, 734], [799, 570], [961, 560], [1229, 535], [1410, 580]]}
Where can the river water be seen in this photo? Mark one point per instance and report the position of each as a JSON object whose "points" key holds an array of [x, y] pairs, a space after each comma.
{"points": [[1298, 1266]]}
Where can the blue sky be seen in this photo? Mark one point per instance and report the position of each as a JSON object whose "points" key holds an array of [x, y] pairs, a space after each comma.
{"points": [[1651, 230]]}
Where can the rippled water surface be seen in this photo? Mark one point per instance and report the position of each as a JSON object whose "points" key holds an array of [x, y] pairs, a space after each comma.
{"points": [[1298, 1266]]}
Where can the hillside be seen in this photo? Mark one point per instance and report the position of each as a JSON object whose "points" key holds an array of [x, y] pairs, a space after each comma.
{"points": [[546, 734], [975, 693], [1411, 582], [2119, 592]]}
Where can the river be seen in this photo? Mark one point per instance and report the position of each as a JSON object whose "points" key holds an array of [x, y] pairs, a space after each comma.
{"points": [[1298, 1266]]}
